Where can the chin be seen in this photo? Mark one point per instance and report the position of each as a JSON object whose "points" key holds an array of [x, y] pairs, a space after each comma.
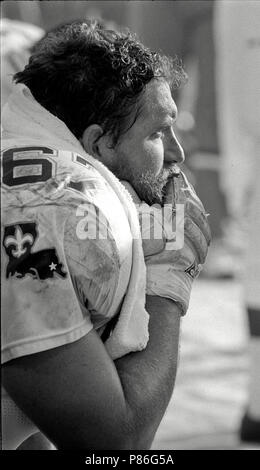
{"points": [[149, 192], [147, 186]]}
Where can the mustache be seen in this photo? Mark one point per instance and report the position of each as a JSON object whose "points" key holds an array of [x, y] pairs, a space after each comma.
{"points": [[171, 171], [168, 173]]}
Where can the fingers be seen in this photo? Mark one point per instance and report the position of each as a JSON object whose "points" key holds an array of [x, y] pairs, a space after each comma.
{"points": [[178, 190], [196, 227], [187, 192], [197, 239], [169, 197], [193, 212]]}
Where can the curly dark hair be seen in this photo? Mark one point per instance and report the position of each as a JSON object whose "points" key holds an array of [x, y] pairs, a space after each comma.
{"points": [[85, 74]]}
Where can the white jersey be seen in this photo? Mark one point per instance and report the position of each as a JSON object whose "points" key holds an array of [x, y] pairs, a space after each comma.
{"points": [[66, 257], [63, 271], [63, 256]]}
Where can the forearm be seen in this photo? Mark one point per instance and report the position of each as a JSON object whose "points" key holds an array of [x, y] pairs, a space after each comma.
{"points": [[147, 377], [79, 398]]}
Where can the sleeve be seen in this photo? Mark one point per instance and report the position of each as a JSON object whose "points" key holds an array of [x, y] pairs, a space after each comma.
{"points": [[40, 306], [93, 260]]}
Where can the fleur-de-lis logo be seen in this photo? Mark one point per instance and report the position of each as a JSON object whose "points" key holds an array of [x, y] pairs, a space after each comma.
{"points": [[18, 240]]}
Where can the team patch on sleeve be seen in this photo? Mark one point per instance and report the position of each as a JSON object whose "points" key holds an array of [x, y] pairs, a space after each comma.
{"points": [[18, 242]]}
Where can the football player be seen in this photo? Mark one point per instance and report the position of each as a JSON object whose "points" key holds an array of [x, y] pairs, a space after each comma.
{"points": [[92, 107]]}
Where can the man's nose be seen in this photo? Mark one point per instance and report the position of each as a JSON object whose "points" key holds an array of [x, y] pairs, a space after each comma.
{"points": [[173, 151]]}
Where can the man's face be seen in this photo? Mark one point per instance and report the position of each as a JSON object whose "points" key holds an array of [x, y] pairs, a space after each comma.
{"points": [[147, 152]]}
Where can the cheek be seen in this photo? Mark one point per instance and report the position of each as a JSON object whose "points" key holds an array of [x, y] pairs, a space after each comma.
{"points": [[153, 156], [143, 156]]}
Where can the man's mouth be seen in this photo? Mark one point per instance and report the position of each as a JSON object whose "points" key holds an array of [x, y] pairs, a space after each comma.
{"points": [[174, 170]]}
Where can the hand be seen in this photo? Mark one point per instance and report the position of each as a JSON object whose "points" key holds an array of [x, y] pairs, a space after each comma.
{"points": [[175, 241], [180, 193]]}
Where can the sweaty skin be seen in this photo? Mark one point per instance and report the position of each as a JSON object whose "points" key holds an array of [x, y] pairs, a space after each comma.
{"points": [[146, 155]]}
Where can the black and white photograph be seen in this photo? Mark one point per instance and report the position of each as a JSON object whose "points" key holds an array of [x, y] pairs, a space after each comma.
{"points": [[130, 228]]}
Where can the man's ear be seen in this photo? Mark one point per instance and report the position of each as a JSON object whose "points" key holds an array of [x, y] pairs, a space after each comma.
{"points": [[90, 138], [97, 144]]}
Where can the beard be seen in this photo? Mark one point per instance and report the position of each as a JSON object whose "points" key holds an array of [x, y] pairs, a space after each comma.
{"points": [[149, 187]]}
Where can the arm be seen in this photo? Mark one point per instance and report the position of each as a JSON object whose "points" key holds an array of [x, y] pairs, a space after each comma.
{"points": [[148, 376], [79, 398]]}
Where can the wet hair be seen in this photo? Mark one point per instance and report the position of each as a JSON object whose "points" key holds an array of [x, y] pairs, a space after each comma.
{"points": [[85, 74]]}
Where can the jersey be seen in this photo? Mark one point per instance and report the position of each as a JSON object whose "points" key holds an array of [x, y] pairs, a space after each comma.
{"points": [[66, 255], [66, 258]]}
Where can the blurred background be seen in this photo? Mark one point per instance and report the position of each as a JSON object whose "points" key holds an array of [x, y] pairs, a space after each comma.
{"points": [[218, 43]]}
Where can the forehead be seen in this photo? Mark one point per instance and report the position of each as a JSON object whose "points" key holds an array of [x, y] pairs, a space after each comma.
{"points": [[157, 101]]}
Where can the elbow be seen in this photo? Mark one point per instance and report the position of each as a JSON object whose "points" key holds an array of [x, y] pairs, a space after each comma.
{"points": [[116, 442], [136, 435], [110, 432], [130, 441]]}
